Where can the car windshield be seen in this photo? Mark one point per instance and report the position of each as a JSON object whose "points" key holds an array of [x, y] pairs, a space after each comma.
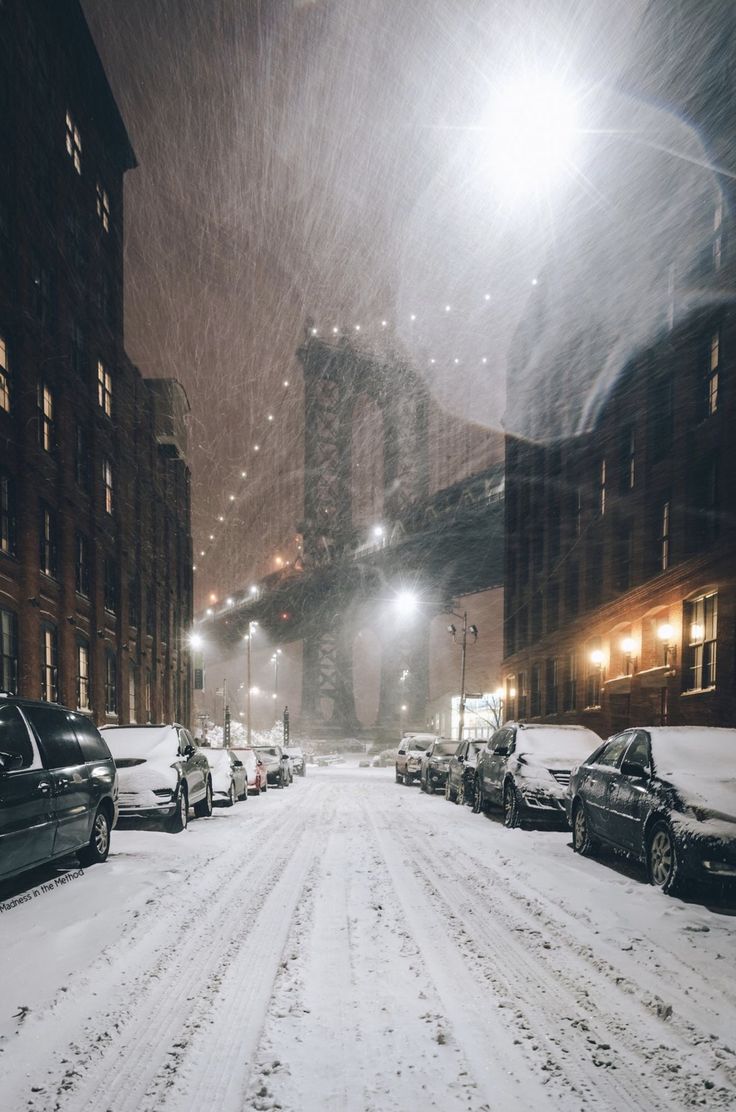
{"points": [[269, 752], [445, 748], [141, 741], [574, 745], [707, 752], [218, 758]]}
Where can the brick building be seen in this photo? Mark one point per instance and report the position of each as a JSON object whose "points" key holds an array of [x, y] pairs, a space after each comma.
{"points": [[95, 539], [620, 548]]}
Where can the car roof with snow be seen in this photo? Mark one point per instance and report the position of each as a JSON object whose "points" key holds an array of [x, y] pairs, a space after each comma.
{"points": [[138, 741]]}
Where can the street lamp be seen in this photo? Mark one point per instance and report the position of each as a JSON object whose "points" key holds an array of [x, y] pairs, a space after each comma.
{"points": [[473, 631], [666, 633], [627, 648]]}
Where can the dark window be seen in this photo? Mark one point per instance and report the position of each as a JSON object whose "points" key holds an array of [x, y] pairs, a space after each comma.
{"points": [[111, 683], [8, 652], [664, 537], [4, 376], [134, 602], [7, 514], [56, 736], [536, 611], [536, 691], [572, 590], [103, 207], [82, 568], [553, 607], [48, 542], [41, 291], [627, 465], [45, 407], [522, 694], [660, 415], [712, 360], [111, 585], [76, 246], [83, 459], [624, 556], [594, 572], [706, 502], [49, 664], [78, 350], [83, 702], [107, 484], [700, 635], [593, 684], [14, 739], [150, 613], [570, 697], [552, 685], [93, 745], [601, 492]]}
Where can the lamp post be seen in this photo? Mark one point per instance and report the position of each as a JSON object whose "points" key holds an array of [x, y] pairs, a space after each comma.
{"points": [[473, 631], [248, 638]]}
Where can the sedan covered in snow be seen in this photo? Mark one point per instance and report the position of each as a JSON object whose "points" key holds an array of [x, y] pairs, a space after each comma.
{"points": [[255, 769], [229, 780], [161, 774], [461, 771], [278, 765], [409, 756], [667, 795], [435, 763], [525, 769], [295, 754]]}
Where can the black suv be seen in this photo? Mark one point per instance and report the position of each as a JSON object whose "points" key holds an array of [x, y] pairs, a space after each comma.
{"points": [[58, 787]]}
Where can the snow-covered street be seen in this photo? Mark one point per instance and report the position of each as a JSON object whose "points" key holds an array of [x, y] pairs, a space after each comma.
{"points": [[352, 944]]}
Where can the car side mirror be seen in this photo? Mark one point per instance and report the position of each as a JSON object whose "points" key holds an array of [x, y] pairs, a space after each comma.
{"points": [[634, 769], [10, 762]]}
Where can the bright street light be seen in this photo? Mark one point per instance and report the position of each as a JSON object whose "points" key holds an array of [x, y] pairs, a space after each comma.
{"points": [[533, 135], [195, 640], [406, 602]]}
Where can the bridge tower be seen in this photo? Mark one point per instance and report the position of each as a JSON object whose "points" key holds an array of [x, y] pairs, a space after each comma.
{"points": [[337, 378]]}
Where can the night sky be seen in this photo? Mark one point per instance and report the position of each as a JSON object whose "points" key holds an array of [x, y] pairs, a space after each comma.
{"points": [[326, 160]]}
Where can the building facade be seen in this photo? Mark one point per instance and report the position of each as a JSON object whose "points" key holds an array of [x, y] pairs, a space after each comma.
{"points": [[620, 541], [95, 538]]}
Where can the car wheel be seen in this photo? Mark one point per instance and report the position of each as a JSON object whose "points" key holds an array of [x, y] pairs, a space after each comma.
{"points": [[399, 777], [663, 860], [203, 809], [582, 842], [478, 802], [180, 818], [98, 847], [511, 811], [231, 796]]}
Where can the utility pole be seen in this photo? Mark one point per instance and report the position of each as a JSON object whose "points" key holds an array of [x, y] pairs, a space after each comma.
{"points": [[225, 716], [248, 638], [473, 631]]}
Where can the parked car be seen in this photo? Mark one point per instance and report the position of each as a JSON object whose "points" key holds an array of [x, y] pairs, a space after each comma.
{"points": [[161, 774], [58, 787], [229, 779], [278, 768], [298, 763], [666, 795], [435, 763], [255, 769], [525, 769], [409, 756], [461, 771]]}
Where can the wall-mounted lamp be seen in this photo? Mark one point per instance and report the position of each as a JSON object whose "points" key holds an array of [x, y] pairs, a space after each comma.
{"points": [[597, 657], [665, 633], [627, 648]]}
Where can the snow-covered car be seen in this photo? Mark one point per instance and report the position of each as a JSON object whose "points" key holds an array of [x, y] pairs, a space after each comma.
{"points": [[58, 787], [667, 795], [229, 779], [461, 771], [278, 766], [435, 763], [409, 756], [296, 756], [525, 769], [384, 759], [161, 774], [255, 769]]}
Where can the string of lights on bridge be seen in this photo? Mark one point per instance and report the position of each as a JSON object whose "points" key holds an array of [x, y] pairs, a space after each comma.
{"points": [[357, 331]]}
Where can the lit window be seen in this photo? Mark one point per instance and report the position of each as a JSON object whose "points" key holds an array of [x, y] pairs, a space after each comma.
{"points": [[701, 630], [104, 389], [131, 693], [103, 207], [45, 417], [107, 483], [73, 143], [83, 702], [49, 664], [4, 377]]}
